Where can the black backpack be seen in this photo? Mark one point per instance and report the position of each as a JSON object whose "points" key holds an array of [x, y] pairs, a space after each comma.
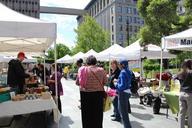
{"points": [[134, 84]]}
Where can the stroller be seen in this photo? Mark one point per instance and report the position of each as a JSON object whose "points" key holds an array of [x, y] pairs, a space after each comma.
{"points": [[150, 97]]}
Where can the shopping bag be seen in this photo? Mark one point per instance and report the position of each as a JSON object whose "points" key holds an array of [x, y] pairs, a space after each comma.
{"points": [[107, 103]]}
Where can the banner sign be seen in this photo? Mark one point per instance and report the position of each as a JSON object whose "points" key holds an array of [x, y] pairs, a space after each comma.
{"points": [[177, 43]]}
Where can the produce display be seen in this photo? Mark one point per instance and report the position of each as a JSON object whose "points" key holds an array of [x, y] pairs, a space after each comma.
{"points": [[4, 89], [31, 81], [31, 93]]}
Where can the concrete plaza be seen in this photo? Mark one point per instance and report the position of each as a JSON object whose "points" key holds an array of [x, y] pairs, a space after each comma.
{"points": [[141, 116]]}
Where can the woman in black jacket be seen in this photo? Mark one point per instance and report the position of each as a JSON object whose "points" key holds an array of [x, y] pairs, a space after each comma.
{"points": [[115, 71]]}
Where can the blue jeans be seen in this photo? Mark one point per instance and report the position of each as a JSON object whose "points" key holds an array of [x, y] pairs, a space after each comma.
{"points": [[123, 99], [116, 110]]}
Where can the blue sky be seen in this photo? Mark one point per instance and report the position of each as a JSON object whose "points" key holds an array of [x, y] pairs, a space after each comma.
{"points": [[65, 23]]}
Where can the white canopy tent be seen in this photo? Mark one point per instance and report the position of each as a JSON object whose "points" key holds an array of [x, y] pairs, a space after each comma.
{"points": [[8, 58], [66, 59], [77, 56], [180, 41], [109, 53], [136, 52], [89, 53], [23, 33]]}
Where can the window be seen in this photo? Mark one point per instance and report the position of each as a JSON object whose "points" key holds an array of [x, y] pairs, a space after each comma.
{"points": [[97, 7], [130, 19], [135, 29], [112, 36], [103, 3], [120, 36], [112, 28], [107, 2], [134, 11], [112, 19], [120, 18], [119, 9], [127, 27], [100, 4], [129, 10], [135, 19], [138, 20], [142, 22], [112, 10], [130, 28], [120, 27]]}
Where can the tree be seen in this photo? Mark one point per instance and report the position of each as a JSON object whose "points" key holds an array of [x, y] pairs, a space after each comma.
{"points": [[62, 50], [132, 39], [159, 16], [90, 35]]}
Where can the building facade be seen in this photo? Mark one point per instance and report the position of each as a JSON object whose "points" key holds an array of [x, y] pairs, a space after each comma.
{"points": [[119, 17], [26, 7], [180, 7]]}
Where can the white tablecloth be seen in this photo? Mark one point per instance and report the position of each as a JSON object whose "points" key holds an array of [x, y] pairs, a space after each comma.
{"points": [[11, 108]]}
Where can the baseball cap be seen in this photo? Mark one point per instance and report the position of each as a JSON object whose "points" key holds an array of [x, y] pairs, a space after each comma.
{"points": [[21, 54], [125, 62]]}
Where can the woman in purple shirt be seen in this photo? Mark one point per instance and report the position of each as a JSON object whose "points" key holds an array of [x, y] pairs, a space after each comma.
{"points": [[51, 84]]}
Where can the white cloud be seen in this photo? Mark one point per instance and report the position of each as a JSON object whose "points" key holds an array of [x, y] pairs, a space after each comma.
{"points": [[65, 23]]}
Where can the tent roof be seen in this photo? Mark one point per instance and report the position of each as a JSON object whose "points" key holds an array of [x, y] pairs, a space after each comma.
{"points": [[109, 53], [179, 41], [135, 52], [8, 58], [23, 33], [78, 56], [66, 59], [184, 34], [89, 53]]}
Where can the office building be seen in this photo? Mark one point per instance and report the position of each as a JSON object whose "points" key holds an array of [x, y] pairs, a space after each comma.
{"points": [[27, 7], [180, 7], [119, 17]]}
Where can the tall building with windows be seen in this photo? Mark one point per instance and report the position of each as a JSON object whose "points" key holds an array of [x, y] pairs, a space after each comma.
{"points": [[119, 17], [27, 7], [180, 7]]}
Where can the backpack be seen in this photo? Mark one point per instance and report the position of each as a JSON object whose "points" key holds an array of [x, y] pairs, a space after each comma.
{"points": [[134, 84]]}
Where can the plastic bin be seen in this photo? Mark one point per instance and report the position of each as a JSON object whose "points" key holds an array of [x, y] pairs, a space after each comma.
{"points": [[5, 97]]}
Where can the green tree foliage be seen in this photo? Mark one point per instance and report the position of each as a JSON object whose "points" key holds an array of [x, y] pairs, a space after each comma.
{"points": [[159, 16], [90, 35], [62, 50], [132, 39], [150, 65]]}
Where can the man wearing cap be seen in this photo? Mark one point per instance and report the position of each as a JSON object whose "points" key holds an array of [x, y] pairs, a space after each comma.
{"points": [[16, 73], [123, 87]]}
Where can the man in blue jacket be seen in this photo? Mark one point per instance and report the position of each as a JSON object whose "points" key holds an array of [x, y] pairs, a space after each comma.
{"points": [[124, 92]]}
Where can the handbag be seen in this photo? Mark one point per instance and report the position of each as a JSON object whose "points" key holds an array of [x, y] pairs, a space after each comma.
{"points": [[106, 98], [107, 103]]}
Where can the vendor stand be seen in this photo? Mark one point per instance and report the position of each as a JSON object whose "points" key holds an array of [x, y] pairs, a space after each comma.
{"points": [[179, 41], [11, 108], [172, 99], [31, 36]]}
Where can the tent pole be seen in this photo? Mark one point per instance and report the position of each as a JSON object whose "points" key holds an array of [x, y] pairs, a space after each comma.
{"points": [[109, 64], [141, 66], [161, 63], [55, 56], [44, 69]]}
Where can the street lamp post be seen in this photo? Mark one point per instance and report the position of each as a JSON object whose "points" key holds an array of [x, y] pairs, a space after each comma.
{"points": [[127, 23]]}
